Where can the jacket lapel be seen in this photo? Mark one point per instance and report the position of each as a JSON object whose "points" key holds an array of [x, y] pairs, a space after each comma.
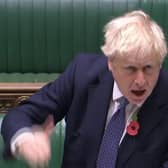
{"points": [[99, 96], [149, 116]]}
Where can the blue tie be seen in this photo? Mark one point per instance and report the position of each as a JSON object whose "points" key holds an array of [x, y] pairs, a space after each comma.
{"points": [[112, 135]]}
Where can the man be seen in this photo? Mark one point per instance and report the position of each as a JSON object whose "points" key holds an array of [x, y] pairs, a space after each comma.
{"points": [[89, 94]]}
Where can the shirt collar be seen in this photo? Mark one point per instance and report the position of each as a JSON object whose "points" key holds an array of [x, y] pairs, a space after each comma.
{"points": [[116, 92]]}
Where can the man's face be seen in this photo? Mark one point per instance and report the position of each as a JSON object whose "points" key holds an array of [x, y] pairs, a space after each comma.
{"points": [[136, 77]]}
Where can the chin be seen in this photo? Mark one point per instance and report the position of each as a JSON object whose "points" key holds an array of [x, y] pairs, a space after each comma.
{"points": [[138, 100]]}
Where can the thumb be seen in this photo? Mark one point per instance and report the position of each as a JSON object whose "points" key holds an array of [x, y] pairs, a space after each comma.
{"points": [[48, 125]]}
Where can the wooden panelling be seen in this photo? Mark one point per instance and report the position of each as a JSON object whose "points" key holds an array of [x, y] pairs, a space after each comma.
{"points": [[11, 94]]}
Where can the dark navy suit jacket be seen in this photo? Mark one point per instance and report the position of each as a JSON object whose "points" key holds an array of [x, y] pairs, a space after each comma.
{"points": [[82, 95]]}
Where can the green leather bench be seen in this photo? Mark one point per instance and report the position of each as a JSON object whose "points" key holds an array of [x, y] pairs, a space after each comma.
{"points": [[43, 36], [38, 38], [57, 142]]}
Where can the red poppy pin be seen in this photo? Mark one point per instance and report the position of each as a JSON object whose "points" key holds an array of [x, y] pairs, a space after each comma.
{"points": [[133, 127]]}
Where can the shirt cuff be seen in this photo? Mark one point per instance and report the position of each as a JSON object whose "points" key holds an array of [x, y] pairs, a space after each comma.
{"points": [[19, 137]]}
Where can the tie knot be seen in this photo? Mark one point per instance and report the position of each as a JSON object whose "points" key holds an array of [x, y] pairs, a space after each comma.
{"points": [[123, 102]]}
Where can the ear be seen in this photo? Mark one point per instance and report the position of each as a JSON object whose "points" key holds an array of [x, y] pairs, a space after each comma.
{"points": [[110, 66]]}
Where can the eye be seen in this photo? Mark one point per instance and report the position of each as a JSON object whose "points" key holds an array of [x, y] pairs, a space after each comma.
{"points": [[148, 69], [130, 69]]}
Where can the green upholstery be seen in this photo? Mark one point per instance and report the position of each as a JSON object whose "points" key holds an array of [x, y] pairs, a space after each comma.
{"points": [[42, 36], [57, 141], [27, 77]]}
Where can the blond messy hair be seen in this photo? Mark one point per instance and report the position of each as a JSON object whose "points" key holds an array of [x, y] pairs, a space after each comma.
{"points": [[135, 33]]}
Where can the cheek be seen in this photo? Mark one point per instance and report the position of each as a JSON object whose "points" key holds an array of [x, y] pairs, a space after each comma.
{"points": [[152, 79], [125, 84], [152, 82]]}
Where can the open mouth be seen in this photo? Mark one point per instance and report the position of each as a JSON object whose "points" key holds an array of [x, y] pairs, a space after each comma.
{"points": [[138, 92]]}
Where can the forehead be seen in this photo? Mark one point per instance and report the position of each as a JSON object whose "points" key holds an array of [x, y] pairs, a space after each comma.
{"points": [[138, 60]]}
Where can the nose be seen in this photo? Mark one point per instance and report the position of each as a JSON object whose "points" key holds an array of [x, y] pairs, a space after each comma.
{"points": [[140, 79]]}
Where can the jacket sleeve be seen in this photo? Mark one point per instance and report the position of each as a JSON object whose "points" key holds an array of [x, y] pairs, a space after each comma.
{"points": [[54, 98]]}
